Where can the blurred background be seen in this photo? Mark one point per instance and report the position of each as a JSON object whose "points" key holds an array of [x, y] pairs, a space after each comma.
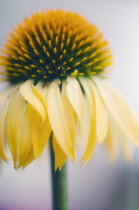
{"points": [[99, 185]]}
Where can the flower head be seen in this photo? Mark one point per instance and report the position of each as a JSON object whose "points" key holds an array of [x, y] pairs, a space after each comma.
{"points": [[53, 45], [54, 62]]}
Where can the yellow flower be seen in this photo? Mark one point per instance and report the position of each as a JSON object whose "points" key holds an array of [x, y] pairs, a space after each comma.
{"points": [[55, 63]]}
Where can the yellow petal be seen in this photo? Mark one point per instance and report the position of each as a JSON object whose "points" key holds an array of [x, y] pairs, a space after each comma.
{"points": [[40, 94], [75, 96], [60, 156], [120, 110], [101, 114], [34, 99], [13, 123], [62, 119], [43, 91], [92, 123], [6, 93], [83, 129], [40, 133], [26, 152], [2, 125], [123, 143], [110, 141], [40, 130], [116, 139]]}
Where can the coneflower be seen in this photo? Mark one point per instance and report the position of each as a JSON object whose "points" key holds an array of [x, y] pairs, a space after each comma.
{"points": [[56, 63]]}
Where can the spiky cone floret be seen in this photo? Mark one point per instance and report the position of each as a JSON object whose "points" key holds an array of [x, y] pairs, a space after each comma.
{"points": [[55, 64]]}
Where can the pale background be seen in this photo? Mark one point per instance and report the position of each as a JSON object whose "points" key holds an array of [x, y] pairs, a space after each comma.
{"points": [[99, 185]]}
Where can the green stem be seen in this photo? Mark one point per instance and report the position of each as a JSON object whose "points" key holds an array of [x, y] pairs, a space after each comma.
{"points": [[59, 184]]}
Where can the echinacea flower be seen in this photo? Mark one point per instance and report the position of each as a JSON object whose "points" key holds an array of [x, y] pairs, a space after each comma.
{"points": [[56, 63]]}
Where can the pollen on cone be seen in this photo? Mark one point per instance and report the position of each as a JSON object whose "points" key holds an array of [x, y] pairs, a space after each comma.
{"points": [[54, 44]]}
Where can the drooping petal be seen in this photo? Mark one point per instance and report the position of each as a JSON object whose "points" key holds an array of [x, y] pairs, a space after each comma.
{"points": [[120, 110], [2, 125], [62, 119], [13, 124], [33, 97], [92, 123], [40, 133], [101, 114], [75, 96], [6, 93], [110, 141], [124, 145], [41, 94], [122, 141], [116, 140], [83, 129], [26, 152], [43, 90], [60, 156]]}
